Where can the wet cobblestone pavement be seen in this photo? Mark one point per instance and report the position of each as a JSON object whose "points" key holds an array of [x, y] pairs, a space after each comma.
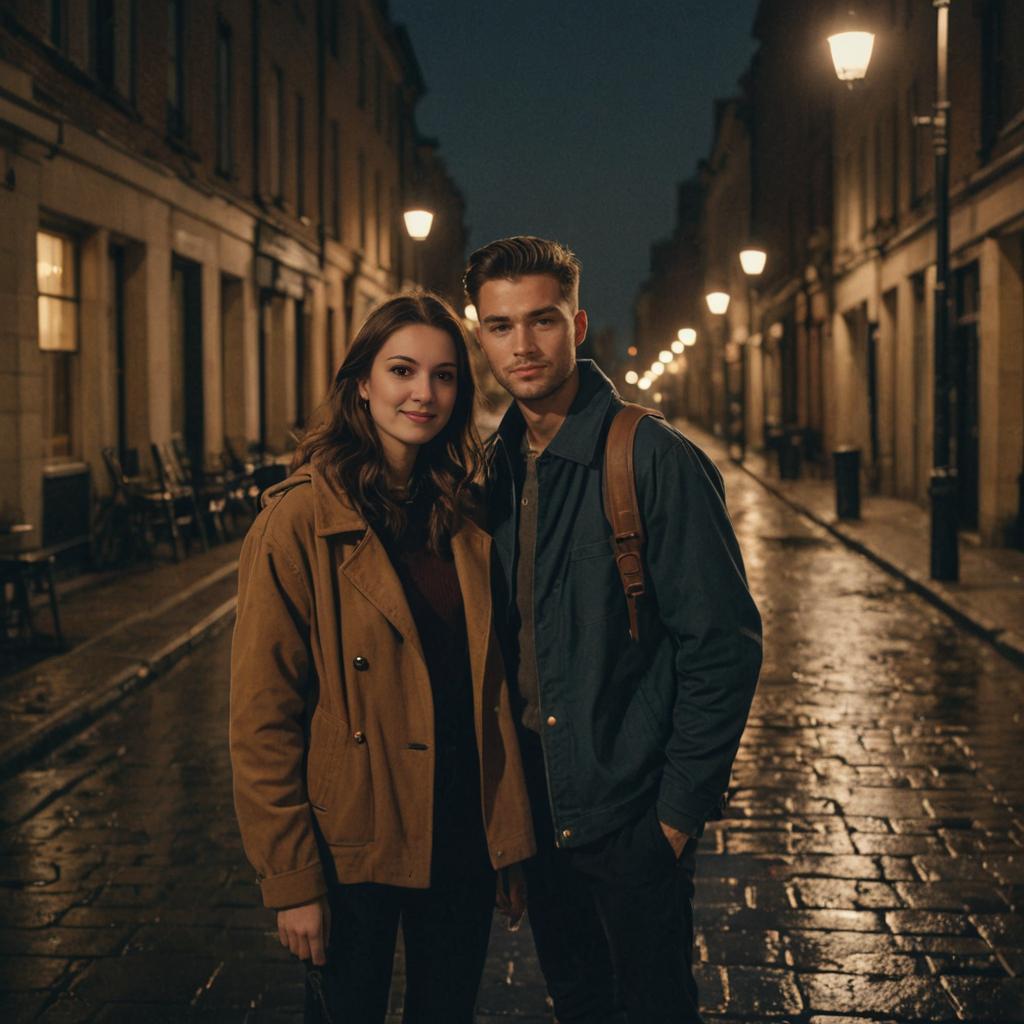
{"points": [[871, 867]]}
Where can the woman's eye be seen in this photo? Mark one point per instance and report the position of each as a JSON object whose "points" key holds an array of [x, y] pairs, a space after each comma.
{"points": [[400, 371], [446, 375]]}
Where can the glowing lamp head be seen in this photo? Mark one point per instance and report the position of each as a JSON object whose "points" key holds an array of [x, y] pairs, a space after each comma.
{"points": [[632, 376], [753, 261], [418, 223], [678, 347], [644, 383], [658, 369], [718, 302], [471, 314], [688, 336], [851, 54], [665, 356]]}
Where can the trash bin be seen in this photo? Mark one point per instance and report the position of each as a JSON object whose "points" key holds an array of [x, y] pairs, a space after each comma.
{"points": [[847, 467], [790, 453]]}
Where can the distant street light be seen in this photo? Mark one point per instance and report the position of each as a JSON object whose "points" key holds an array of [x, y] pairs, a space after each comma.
{"points": [[665, 356], [688, 336], [942, 490], [657, 369], [677, 347], [471, 314], [851, 54], [718, 302], [418, 223], [644, 383], [753, 260], [632, 376]]}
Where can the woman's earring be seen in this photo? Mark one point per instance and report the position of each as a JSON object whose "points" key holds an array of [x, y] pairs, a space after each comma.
{"points": [[365, 403]]}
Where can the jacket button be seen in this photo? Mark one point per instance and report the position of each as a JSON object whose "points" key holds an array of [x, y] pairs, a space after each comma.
{"points": [[359, 738], [552, 720], [360, 663], [567, 833]]}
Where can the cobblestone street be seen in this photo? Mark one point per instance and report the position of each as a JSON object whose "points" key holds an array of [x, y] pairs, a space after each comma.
{"points": [[871, 866]]}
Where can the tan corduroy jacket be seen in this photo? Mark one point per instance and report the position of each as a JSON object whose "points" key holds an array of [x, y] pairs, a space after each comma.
{"points": [[332, 724]]}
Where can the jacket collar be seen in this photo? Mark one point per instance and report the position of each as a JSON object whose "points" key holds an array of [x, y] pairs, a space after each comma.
{"points": [[332, 512], [578, 436]]}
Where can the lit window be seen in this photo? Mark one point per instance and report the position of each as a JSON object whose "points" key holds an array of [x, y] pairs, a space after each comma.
{"points": [[58, 293]]}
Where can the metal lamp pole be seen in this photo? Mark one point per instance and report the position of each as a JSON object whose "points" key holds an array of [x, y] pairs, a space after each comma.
{"points": [[942, 490]]}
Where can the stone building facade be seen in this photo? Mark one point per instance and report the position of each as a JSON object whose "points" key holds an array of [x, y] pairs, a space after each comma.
{"points": [[201, 203], [839, 188]]}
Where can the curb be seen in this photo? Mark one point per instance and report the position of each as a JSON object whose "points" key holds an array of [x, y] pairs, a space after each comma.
{"points": [[1005, 641], [83, 712]]}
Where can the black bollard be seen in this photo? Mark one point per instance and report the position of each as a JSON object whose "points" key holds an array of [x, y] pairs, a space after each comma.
{"points": [[847, 467]]}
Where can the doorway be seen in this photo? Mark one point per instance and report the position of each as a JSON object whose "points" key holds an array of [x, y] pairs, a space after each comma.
{"points": [[186, 362], [964, 397]]}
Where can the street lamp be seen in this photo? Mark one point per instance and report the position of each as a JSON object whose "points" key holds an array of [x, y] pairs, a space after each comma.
{"points": [[942, 490], [418, 223], [665, 356], [677, 347], [632, 376], [851, 54], [718, 305], [753, 260], [718, 302], [688, 336]]}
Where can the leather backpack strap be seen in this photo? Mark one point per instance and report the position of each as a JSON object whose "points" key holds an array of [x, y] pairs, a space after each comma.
{"points": [[622, 508]]}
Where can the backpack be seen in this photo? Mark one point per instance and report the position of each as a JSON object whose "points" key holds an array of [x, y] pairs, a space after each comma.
{"points": [[622, 508]]}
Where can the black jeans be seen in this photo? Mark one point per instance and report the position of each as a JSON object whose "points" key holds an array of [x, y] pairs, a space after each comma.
{"points": [[613, 920], [445, 928]]}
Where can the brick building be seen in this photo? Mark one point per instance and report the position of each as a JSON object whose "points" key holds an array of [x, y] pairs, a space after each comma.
{"points": [[201, 203], [838, 184]]}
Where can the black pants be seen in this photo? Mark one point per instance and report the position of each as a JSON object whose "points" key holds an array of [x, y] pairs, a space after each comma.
{"points": [[445, 928], [613, 921]]}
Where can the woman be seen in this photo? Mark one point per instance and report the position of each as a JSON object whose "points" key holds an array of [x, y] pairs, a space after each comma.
{"points": [[376, 771]]}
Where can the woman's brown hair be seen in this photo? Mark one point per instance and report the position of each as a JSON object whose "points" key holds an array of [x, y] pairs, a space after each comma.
{"points": [[345, 447]]}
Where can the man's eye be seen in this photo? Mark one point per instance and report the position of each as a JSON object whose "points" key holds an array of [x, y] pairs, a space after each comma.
{"points": [[545, 321], [499, 328]]}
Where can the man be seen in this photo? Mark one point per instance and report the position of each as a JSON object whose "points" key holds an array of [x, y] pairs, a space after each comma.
{"points": [[628, 746]]}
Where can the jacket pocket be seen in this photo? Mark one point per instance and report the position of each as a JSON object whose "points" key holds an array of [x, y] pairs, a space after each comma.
{"points": [[594, 587], [339, 782]]}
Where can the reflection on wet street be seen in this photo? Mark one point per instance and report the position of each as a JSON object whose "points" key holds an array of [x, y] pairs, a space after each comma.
{"points": [[871, 866]]}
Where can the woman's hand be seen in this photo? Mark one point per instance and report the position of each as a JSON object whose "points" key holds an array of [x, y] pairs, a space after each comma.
{"points": [[305, 929], [511, 896]]}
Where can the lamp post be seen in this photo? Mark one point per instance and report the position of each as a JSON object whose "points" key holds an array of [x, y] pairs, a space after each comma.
{"points": [[753, 260], [718, 305], [942, 490]]}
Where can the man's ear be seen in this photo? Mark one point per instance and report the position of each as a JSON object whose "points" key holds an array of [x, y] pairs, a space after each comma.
{"points": [[580, 322]]}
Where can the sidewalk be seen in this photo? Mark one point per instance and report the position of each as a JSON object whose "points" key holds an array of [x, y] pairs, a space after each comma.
{"points": [[123, 629], [895, 534]]}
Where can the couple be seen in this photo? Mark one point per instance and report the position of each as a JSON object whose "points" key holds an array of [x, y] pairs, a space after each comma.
{"points": [[407, 721]]}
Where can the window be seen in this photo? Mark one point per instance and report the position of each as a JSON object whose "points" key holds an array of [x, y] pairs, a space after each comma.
{"points": [[300, 155], [275, 132], [362, 201], [333, 26], [102, 40], [919, 140], [335, 180], [1003, 64], [378, 211], [175, 67], [57, 284], [225, 149], [361, 62], [58, 24]]}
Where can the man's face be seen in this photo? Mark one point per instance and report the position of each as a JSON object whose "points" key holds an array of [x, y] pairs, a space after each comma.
{"points": [[529, 334]]}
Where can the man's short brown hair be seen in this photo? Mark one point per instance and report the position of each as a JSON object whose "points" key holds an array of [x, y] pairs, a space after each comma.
{"points": [[509, 258]]}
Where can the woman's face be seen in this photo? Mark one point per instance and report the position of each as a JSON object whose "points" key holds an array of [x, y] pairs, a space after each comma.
{"points": [[411, 389]]}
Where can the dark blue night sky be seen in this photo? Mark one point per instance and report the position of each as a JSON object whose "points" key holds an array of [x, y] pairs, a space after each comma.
{"points": [[575, 119]]}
